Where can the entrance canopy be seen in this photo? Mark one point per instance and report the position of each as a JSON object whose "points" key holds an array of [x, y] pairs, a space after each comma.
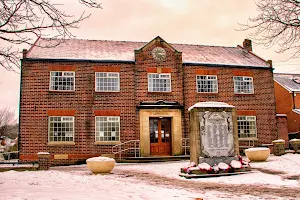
{"points": [[160, 104]]}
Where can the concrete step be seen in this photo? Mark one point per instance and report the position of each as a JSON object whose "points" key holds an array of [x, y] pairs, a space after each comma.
{"points": [[151, 159]]}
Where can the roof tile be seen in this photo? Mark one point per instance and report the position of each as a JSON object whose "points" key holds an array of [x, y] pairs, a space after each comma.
{"points": [[287, 81], [124, 51]]}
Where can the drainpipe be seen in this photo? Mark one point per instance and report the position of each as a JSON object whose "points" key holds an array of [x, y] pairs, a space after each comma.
{"points": [[20, 93], [294, 100]]}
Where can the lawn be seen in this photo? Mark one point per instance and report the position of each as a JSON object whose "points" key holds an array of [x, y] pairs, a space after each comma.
{"points": [[277, 178]]}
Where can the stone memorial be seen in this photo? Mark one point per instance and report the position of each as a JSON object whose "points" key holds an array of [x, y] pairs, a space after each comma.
{"points": [[214, 138]]}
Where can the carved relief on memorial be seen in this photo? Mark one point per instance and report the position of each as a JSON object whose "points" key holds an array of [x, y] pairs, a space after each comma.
{"points": [[216, 133]]}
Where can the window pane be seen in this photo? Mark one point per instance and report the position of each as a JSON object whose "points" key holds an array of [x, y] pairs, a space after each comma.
{"points": [[107, 82], [107, 128], [61, 129], [207, 84], [247, 127], [62, 81], [243, 85], [159, 82]]}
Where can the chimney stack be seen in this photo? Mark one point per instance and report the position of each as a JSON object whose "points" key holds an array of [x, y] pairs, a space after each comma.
{"points": [[24, 53], [247, 44], [270, 63]]}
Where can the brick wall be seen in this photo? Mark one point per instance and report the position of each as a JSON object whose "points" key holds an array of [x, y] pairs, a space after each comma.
{"points": [[282, 129], [37, 100], [285, 105], [262, 101], [146, 64]]}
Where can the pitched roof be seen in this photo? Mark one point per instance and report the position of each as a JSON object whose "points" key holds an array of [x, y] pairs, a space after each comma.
{"points": [[289, 81], [103, 50]]}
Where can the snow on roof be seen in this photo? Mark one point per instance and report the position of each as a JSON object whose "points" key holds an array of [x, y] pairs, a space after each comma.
{"points": [[280, 140], [210, 104], [297, 111], [104, 50], [281, 115], [288, 81]]}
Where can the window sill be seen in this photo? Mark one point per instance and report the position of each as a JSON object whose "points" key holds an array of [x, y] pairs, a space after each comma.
{"points": [[108, 92], [244, 94], [60, 143], [247, 139], [207, 93], [59, 91], [107, 142], [159, 92]]}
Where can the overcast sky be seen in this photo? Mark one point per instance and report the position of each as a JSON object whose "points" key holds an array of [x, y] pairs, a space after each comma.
{"points": [[207, 22]]}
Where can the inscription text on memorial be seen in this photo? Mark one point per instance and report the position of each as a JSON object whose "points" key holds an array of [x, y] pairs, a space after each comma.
{"points": [[216, 132]]}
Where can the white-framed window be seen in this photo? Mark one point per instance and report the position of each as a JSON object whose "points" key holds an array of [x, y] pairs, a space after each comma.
{"points": [[61, 129], [207, 84], [107, 128], [247, 126], [243, 85], [107, 82], [62, 81], [159, 82]]}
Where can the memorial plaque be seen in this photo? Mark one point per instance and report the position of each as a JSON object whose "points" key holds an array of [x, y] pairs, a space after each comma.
{"points": [[216, 129]]}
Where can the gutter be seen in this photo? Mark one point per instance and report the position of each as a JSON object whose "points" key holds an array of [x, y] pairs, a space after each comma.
{"points": [[78, 60], [225, 65], [133, 61]]}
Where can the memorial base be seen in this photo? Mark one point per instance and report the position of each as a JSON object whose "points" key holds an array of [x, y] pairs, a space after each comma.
{"points": [[188, 176], [199, 173], [215, 160]]}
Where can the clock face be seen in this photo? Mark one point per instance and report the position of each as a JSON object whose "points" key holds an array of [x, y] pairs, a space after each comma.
{"points": [[159, 54]]}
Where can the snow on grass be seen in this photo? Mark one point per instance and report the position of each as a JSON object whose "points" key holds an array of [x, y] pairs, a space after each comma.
{"points": [[63, 185], [77, 182], [288, 164]]}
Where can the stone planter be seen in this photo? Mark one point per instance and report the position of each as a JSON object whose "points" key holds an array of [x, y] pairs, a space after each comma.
{"points": [[100, 164], [295, 144], [278, 147], [257, 153]]}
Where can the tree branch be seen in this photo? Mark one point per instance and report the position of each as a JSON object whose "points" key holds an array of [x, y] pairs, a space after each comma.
{"points": [[23, 21], [278, 22]]}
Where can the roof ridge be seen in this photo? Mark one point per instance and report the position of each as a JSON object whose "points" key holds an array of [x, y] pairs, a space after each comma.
{"points": [[206, 45]]}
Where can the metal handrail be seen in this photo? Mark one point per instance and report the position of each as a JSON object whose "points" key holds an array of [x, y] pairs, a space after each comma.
{"points": [[9, 152], [119, 149], [183, 144], [251, 143]]}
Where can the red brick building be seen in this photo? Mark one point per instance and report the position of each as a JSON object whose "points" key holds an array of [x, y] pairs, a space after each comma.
{"points": [[82, 97], [287, 95]]}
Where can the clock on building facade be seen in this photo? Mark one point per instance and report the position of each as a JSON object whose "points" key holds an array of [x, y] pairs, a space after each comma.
{"points": [[159, 54]]}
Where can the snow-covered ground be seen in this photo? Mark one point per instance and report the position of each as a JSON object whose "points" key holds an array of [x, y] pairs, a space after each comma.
{"points": [[285, 166], [279, 179]]}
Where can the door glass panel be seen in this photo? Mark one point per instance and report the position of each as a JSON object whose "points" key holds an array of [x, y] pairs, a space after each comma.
{"points": [[153, 130], [165, 130]]}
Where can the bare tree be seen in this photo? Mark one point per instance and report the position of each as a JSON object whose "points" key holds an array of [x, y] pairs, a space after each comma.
{"points": [[7, 120], [278, 23], [23, 21]]}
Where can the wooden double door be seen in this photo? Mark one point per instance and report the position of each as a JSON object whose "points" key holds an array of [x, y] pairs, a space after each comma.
{"points": [[160, 136]]}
